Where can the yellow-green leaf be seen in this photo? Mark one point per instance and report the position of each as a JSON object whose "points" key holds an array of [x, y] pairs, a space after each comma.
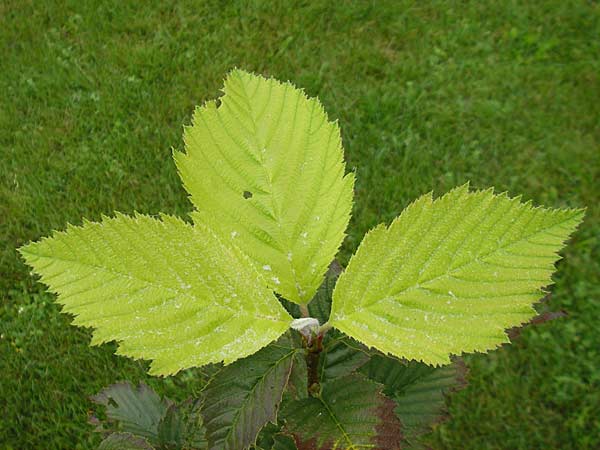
{"points": [[265, 169], [450, 275], [163, 289]]}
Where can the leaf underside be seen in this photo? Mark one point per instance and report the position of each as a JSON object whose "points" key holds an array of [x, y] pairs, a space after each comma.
{"points": [[265, 168], [163, 289], [344, 416], [450, 275], [244, 396]]}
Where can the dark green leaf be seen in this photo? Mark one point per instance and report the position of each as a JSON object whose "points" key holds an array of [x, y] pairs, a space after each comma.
{"points": [[124, 441], [341, 356], [320, 305], [423, 403], [283, 442], [298, 383], [418, 390], [271, 438], [182, 427], [395, 374], [266, 437], [343, 415], [244, 396], [134, 410], [292, 308]]}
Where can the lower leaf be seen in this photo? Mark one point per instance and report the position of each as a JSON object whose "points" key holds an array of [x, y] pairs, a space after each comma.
{"points": [[182, 427], [298, 383], [271, 438], [389, 430], [245, 395], [133, 410], [341, 356], [344, 415], [124, 441], [283, 442], [417, 389]]}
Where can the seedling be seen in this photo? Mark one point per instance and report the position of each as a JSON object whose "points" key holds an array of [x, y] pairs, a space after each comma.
{"points": [[305, 355]]}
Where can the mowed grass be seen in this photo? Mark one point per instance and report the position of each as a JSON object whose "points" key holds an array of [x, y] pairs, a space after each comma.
{"points": [[93, 95]]}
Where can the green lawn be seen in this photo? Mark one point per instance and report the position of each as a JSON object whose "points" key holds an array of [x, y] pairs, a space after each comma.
{"points": [[93, 95]]}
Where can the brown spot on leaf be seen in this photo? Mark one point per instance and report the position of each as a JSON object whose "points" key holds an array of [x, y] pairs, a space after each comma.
{"points": [[389, 434], [311, 444]]}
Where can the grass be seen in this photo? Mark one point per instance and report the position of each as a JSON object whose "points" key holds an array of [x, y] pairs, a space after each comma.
{"points": [[428, 96]]}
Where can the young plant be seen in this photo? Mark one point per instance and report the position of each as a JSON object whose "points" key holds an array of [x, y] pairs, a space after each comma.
{"points": [[310, 360]]}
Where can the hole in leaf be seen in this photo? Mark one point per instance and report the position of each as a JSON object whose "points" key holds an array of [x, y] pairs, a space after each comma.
{"points": [[247, 194]]}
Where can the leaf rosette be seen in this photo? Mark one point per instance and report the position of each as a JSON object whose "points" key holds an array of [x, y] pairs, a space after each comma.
{"points": [[265, 173]]}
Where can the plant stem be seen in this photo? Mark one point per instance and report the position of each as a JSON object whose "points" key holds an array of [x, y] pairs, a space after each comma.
{"points": [[324, 328], [304, 310], [312, 364]]}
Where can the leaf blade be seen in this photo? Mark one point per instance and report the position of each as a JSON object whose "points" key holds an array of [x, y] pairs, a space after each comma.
{"points": [[163, 289], [245, 396], [450, 275], [344, 415], [138, 411], [124, 441], [270, 154], [320, 305], [418, 390], [340, 357], [182, 426]]}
